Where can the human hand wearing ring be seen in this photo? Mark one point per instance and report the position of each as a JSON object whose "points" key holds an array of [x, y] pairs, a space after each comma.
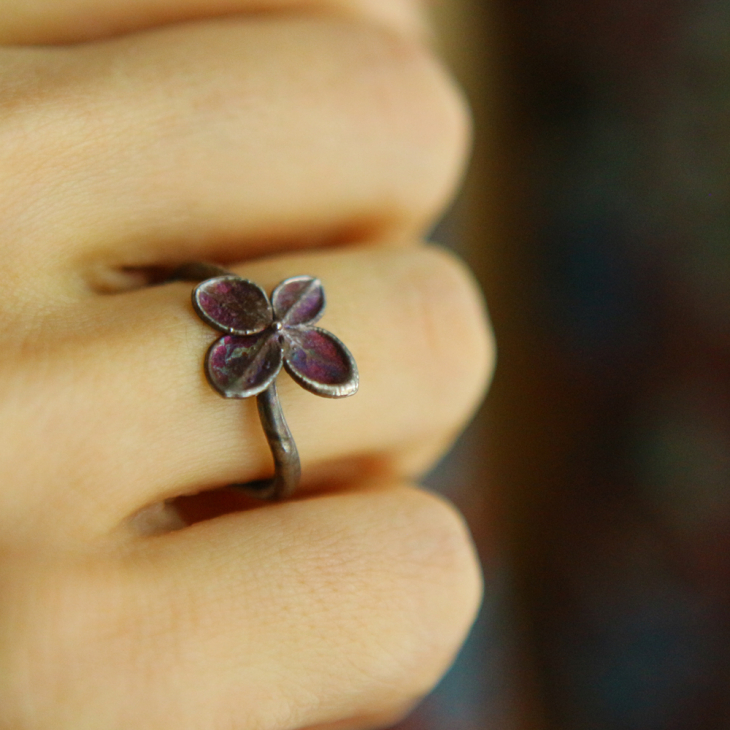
{"points": [[292, 138]]}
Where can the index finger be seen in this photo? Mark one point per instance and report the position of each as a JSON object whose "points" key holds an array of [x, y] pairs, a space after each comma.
{"points": [[31, 22]]}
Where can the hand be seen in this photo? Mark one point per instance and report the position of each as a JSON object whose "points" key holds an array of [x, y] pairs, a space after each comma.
{"points": [[252, 141]]}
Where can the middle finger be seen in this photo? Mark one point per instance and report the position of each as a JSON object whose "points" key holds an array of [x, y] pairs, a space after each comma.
{"points": [[223, 139]]}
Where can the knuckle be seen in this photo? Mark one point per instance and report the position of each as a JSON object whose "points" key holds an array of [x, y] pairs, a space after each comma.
{"points": [[436, 120], [407, 91], [429, 589], [452, 331], [393, 585], [437, 549]]}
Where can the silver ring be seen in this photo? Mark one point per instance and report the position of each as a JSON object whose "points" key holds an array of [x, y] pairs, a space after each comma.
{"points": [[260, 336]]}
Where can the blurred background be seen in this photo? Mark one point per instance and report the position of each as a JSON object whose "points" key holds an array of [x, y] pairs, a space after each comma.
{"points": [[596, 479]]}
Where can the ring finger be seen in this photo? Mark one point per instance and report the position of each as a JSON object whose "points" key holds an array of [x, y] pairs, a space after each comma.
{"points": [[144, 425]]}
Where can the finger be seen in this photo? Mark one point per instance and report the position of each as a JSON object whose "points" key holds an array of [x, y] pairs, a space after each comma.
{"points": [[72, 21], [342, 607], [224, 140], [140, 423]]}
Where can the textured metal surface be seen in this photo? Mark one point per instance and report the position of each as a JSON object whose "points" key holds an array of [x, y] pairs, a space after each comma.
{"points": [[287, 468], [239, 367], [233, 305], [244, 363], [299, 300], [319, 362], [260, 336]]}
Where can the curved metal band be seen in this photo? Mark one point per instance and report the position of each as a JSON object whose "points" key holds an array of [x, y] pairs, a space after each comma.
{"points": [[287, 468]]}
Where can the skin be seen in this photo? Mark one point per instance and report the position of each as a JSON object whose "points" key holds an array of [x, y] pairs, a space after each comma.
{"points": [[279, 138]]}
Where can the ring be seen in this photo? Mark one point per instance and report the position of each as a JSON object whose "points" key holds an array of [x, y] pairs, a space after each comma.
{"points": [[260, 336]]}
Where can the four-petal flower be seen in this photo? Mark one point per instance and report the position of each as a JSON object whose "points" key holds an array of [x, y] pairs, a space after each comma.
{"points": [[263, 335]]}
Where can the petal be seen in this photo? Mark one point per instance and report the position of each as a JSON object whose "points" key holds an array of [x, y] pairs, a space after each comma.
{"points": [[232, 304], [239, 367], [299, 300], [319, 362]]}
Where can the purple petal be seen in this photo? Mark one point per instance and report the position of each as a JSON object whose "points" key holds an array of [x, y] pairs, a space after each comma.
{"points": [[319, 362], [239, 367], [232, 304], [299, 300]]}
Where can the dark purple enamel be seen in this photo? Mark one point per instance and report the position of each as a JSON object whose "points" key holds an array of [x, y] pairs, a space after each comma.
{"points": [[299, 300], [242, 366], [314, 357], [234, 305]]}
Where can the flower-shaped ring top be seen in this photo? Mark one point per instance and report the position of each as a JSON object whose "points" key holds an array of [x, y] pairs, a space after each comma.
{"points": [[263, 335]]}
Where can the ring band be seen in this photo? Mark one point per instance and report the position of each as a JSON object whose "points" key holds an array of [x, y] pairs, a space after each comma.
{"points": [[260, 336]]}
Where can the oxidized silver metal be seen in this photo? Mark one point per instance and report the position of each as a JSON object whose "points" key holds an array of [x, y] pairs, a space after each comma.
{"points": [[260, 336]]}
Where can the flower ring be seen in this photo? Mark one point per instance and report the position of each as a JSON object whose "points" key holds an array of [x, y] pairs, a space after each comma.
{"points": [[260, 337]]}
